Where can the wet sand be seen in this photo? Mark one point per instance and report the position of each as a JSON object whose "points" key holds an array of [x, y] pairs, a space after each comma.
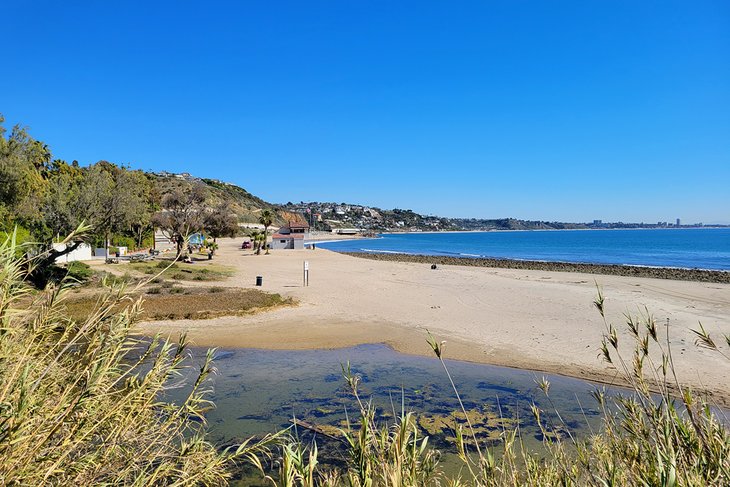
{"points": [[532, 319]]}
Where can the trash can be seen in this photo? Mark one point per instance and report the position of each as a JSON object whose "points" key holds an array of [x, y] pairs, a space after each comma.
{"points": [[259, 280]]}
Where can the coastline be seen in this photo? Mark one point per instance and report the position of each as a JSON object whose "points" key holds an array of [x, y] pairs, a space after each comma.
{"points": [[537, 320], [490, 230], [673, 273]]}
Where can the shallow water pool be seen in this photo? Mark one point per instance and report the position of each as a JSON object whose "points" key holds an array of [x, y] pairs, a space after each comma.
{"points": [[260, 391]]}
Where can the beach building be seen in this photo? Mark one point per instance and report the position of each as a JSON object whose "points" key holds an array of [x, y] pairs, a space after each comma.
{"points": [[82, 252], [346, 231], [290, 236], [287, 241]]}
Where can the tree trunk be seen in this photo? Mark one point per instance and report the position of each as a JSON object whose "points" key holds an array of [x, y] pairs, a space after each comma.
{"points": [[266, 238], [41, 273], [140, 231]]}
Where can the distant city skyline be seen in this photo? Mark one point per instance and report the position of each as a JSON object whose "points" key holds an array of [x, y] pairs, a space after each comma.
{"points": [[560, 111]]}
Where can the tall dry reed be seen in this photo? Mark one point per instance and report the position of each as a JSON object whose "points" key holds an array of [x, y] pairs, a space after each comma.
{"points": [[76, 409]]}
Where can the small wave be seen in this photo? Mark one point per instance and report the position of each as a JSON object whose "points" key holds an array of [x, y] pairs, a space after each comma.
{"points": [[443, 252], [373, 251], [471, 255]]}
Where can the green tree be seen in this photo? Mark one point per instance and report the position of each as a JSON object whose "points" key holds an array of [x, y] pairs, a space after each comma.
{"points": [[60, 213], [221, 222], [111, 199], [23, 160]]}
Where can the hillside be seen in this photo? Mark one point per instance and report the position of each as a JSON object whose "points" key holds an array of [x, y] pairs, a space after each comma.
{"points": [[327, 216], [245, 205]]}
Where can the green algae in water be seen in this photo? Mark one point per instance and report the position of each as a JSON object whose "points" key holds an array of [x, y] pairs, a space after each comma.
{"points": [[260, 391]]}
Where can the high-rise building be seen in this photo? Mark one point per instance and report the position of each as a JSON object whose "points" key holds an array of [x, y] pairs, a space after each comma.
{"points": [[678, 222]]}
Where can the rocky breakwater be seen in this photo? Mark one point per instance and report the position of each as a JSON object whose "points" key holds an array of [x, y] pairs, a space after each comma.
{"points": [[701, 275]]}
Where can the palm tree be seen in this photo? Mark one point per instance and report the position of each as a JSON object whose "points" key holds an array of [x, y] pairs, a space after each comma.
{"points": [[266, 219], [255, 239]]}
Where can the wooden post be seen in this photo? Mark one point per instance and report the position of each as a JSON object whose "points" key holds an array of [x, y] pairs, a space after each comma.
{"points": [[306, 273]]}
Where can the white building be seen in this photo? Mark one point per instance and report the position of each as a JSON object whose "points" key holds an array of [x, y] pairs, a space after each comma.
{"points": [[82, 252]]}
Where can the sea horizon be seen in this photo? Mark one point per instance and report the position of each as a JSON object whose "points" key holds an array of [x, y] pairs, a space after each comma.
{"points": [[650, 249]]}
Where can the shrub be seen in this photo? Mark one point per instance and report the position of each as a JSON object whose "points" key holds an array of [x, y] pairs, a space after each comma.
{"points": [[122, 241], [163, 264], [79, 271]]}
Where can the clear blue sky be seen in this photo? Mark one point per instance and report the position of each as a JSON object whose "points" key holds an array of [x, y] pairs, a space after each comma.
{"points": [[552, 110]]}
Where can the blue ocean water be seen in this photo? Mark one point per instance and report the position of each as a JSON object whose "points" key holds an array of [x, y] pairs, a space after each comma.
{"points": [[702, 248]]}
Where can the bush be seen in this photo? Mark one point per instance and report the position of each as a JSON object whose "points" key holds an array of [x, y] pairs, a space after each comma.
{"points": [[22, 236], [79, 271], [163, 264], [122, 241]]}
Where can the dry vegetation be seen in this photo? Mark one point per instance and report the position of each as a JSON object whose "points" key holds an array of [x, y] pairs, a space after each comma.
{"points": [[165, 298], [199, 271], [80, 400], [174, 303]]}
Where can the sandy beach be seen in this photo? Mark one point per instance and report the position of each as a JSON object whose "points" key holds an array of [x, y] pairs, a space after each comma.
{"points": [[539, 320]]}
